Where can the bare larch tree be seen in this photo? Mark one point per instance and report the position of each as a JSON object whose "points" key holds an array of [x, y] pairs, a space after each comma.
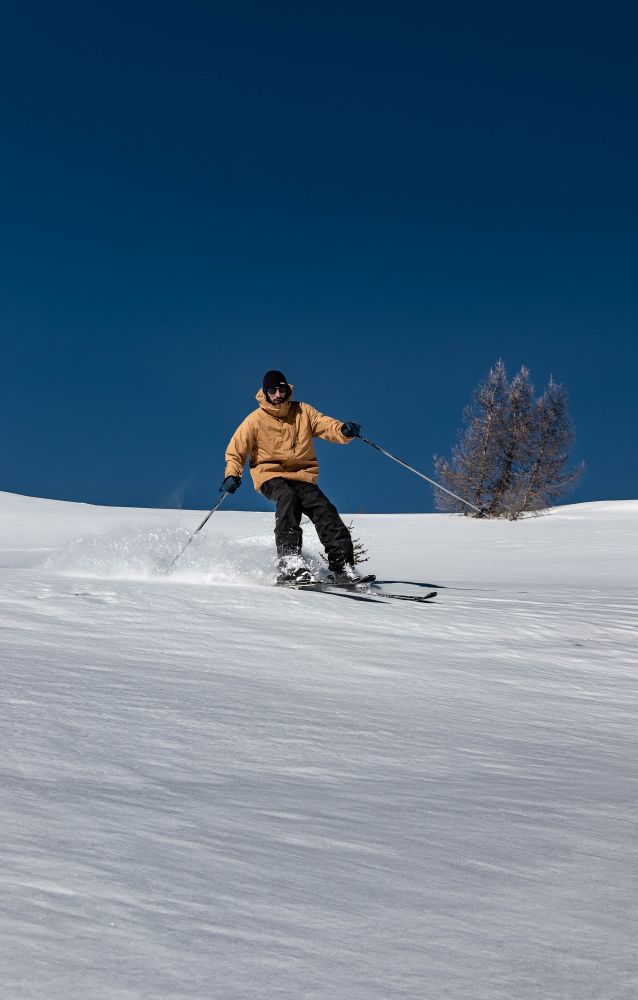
{"points": [[513, 451]]}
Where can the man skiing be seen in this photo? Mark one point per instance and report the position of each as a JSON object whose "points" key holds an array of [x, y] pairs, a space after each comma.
{"points": [[277, 440]]}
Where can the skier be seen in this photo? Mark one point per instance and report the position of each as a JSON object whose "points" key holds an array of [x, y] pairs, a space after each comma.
{"points": [[277, 439]]}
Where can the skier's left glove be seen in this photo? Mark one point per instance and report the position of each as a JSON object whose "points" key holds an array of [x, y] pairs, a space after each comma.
{"points": [[230, 484], [350, 429]]}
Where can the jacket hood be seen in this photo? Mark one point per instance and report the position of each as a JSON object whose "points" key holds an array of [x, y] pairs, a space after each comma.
{"points": [[280, 411]]}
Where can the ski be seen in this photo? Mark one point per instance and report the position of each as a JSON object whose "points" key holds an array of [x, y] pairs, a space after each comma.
{"points": [[416, 598], [330, 588], [357, 590], [375, 588]]}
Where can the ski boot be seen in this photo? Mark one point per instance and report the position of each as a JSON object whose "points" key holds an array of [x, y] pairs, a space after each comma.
{"points": [[348, 576], [293, 571]]}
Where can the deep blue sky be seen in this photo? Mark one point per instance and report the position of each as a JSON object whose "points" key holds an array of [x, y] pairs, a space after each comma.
{"points": [[381, 200]]}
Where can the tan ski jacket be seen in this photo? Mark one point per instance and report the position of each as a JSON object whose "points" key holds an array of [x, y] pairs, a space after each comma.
{"points": [[277, 440]]}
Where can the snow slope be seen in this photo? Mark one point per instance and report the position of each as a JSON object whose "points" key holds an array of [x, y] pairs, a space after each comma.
{"points": [[215, 788]]}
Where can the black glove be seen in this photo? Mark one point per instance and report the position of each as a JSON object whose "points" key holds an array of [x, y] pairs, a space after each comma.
{"points": [[350, 429], [230, 484]]}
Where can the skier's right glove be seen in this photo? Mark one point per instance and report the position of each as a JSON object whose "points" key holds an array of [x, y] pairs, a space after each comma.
{"points": [[230, 484], [350, 429]]}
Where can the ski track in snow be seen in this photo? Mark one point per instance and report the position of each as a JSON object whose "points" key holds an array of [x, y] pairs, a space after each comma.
{"points": [[215, 788]]}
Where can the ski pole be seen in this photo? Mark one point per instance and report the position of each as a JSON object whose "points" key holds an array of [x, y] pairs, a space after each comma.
{"points": [[417, 473], [210, 513]]}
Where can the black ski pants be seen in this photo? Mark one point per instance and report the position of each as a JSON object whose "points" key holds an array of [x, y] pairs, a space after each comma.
{"points": [[294, 498]]}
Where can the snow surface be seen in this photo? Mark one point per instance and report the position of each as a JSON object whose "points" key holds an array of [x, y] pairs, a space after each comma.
{"points": [[215, 788]]}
